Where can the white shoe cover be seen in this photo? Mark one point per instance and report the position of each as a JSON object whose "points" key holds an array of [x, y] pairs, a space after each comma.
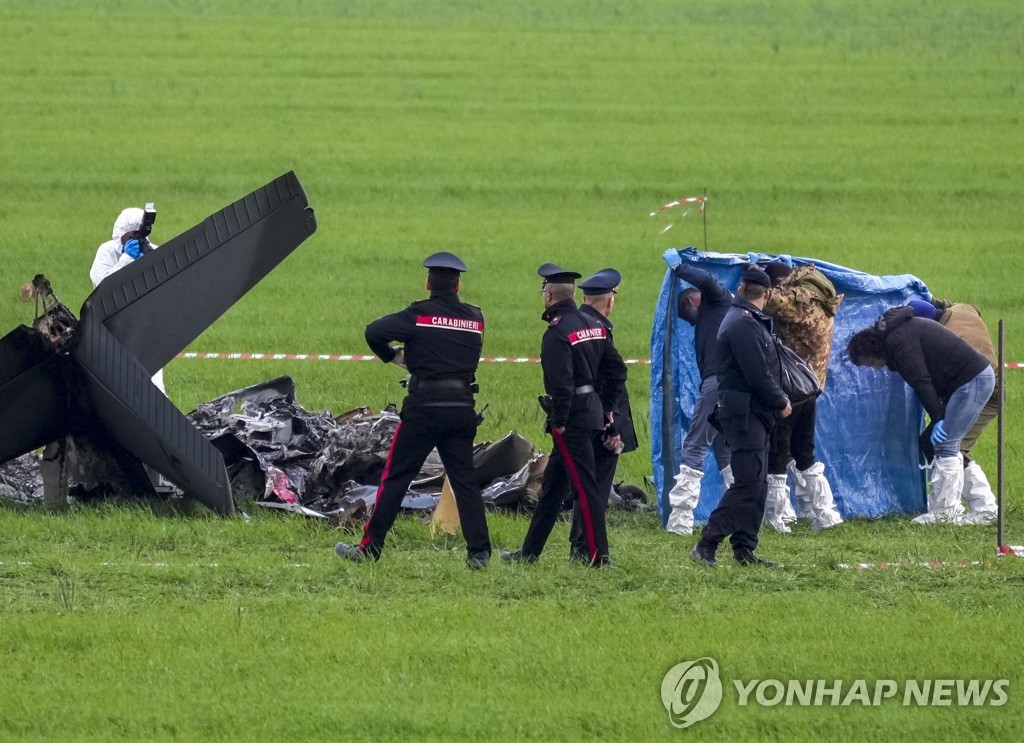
{"points": [[800, 494], [815, 494], [777, 503], [788, 514], [682, 499], [979, 496], [947, 481]]}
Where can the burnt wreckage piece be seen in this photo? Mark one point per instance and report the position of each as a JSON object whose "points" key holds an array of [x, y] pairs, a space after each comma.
{"points": [[93, 379]]}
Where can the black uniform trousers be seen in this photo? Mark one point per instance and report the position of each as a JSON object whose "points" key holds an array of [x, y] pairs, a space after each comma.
{"points": [[793, 438], [570, 468], [605, 462], [741, 509], [451, 430]]}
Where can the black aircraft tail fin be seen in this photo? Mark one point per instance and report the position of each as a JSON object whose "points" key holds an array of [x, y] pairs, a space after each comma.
{"points": [[33, 394], [195, 277], [148, 425]]}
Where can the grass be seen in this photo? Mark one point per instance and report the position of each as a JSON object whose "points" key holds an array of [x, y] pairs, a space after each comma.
{"points": [[881, 136], [205, 629]]}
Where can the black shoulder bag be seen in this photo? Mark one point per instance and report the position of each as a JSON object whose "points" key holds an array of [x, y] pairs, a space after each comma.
{"points": [[799, 381]]}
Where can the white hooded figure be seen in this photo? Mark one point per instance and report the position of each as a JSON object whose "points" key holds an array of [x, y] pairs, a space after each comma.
{"points": [[110, 257]]}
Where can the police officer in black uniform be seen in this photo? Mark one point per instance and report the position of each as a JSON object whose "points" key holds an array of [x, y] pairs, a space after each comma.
{"points": [[749, 399], [619, 436], [572, 351], [442, 338]]}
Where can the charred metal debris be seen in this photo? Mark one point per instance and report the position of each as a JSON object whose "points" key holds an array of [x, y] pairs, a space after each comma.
{"points": [[280, 455]]}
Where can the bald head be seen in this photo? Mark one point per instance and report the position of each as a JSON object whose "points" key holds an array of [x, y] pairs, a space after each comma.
{"points": [[555, 293], [560, 292], [603, 303]]}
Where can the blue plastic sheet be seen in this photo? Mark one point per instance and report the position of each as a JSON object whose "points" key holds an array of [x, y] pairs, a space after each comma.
{"points": [[868, 421]]}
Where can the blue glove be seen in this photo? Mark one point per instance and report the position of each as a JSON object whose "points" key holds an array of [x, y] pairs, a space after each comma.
{"points": [[133, 248], [787, 260], [753, 258], [939, 434], [672, 258]]}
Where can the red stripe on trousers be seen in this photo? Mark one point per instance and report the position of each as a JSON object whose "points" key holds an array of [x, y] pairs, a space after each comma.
{"points": [[383, 479], [574, 476]]}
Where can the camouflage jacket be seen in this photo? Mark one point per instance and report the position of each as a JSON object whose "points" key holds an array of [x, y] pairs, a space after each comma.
{"points": [[804, 307]]}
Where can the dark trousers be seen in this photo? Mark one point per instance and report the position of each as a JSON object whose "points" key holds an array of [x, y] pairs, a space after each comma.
{"points": [[451, 430], [570, 469], [741, 509], [793, 438], [987, 415], [605, 462]]}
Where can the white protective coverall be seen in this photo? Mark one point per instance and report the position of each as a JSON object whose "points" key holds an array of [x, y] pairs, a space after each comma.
{"points": [[110, 257]]}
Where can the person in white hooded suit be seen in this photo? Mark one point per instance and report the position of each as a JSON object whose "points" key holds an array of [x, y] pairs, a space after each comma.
{"points": [[111, 256], [122, 248]]}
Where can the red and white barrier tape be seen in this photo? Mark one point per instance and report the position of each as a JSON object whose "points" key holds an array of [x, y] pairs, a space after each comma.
{"points": [[1004, 550], [702, 200], [899, 565], [347, 357], [157, 565]]}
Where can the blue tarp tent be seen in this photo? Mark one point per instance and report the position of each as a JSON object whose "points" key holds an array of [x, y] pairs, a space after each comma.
{"points": [[868, 421]]}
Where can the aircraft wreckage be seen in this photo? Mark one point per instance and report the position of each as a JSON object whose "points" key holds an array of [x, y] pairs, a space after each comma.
{"points": [[82, 388], [89, 379]]}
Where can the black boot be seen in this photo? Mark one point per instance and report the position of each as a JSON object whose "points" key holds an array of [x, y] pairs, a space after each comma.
{"points": [[581, 557], [350, 552], [704, 554], [577, 555], [518, 556], [478, 560], [746, 558]]}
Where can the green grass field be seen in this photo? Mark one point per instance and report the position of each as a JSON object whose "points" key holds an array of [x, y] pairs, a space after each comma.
{"points": [[884, 136]]}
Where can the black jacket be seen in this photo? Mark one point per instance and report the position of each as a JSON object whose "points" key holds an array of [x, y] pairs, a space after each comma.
{"points": [[571, 353], [715, 301], [442, 337], [611, 386], [932, 359], [749, 369]]}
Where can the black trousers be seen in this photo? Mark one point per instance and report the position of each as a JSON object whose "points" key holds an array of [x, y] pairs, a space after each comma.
{"points": [[605, 462], [741, 509], [570, 469], [793, 438], [451, 430]]}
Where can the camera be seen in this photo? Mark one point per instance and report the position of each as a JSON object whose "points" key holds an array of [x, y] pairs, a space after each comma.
{"points": [[148, 219]]}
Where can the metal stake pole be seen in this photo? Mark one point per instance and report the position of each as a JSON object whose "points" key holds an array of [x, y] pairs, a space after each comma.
{"points": [[1001, 381]]}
